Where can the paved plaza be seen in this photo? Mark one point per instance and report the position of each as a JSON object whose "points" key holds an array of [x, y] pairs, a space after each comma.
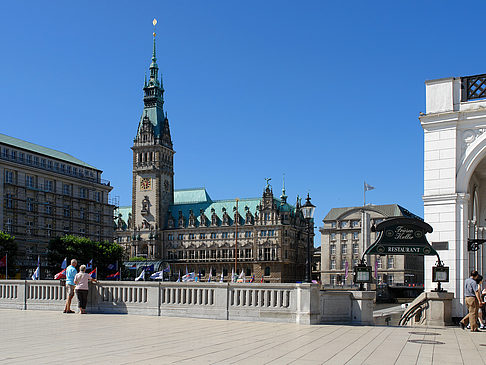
{"points": [[50, 337]]}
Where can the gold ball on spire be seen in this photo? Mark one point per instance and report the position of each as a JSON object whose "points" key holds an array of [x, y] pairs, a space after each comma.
{"points": [[154, 22], [154, 34]]}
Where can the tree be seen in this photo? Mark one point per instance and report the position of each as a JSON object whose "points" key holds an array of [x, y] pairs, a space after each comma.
{"points": [[8, 245], [83, 250]]}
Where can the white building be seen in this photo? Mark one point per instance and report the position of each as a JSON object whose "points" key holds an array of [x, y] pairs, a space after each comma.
{"points": [[455, 177]]}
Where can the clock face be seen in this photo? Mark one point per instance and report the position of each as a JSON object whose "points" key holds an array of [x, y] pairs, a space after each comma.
{"points": [[145, 183]]}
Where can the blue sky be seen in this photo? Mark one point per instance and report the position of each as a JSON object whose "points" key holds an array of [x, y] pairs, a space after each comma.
{"points": [[326, 92]]}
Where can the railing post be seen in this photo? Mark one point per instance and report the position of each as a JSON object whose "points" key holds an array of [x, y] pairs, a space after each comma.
{"points": [[228, 293], [25, 294], [159, 299]]}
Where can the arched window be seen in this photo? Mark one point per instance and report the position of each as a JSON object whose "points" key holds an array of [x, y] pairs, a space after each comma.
{"points": [[267, 271]]}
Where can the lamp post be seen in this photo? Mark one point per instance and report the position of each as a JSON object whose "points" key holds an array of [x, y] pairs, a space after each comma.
{"points": [[308, 212]]}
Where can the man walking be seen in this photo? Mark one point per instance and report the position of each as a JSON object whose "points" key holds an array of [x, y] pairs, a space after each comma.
{"points": [[472, 301], [70, 286]]}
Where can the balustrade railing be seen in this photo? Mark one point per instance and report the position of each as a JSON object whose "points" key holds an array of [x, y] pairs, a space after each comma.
{"points": [[473, 87], [8, 291], [296, 303]]}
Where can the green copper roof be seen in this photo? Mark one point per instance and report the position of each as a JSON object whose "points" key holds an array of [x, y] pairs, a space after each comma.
{"points": [[15, 142], [185, 196], [197, 199]]}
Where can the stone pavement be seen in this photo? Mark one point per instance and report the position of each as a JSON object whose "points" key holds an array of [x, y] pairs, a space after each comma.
{"points": [[50, 337]]}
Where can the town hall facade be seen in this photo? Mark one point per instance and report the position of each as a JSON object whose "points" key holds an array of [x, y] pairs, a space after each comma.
{"points": [[188, 230]]}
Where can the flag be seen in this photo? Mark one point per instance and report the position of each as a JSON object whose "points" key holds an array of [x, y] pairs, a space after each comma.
{"points": [[60, 275], [3, 261], [133, 267], [261, 280], [189, 277], [149, 268], [222, 277], [179, 278], [376, 268], [241, 277], [233, 275], [252, 279], [159, 275], [167, 269], [111, 267], [346, 269], [64, 263], [113, 276], [90, 265], [141, 276], [35, 275], [187, 272], [93, 274], [210, 275], [368, 187]]}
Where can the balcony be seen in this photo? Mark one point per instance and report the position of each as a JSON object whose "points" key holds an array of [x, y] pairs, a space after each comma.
{"points": [[473, 87]]}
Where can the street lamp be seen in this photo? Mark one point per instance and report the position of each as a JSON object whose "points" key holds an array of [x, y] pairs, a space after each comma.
{"points": [[308, 212]]}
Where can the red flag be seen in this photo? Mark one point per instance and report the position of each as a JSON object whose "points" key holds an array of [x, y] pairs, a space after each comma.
{"points": [[60, 275], [3, 261], [93, 273], [262, 279], [113, 276]]}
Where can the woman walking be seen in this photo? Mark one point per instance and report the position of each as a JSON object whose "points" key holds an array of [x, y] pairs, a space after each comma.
{"points": [[81, 280]]}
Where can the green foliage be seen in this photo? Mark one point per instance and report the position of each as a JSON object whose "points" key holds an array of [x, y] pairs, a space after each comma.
{"points": [[8, 246], [83, 250], [137, 258]]}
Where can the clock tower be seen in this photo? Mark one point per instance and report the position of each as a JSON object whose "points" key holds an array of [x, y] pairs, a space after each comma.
{"points": [[153, 169]]}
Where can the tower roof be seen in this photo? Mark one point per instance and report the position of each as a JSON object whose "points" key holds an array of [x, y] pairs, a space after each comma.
{"points": [[153, 100]]}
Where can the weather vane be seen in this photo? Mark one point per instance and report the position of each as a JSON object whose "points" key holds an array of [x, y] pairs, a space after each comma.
{"points": [[154, 22]]}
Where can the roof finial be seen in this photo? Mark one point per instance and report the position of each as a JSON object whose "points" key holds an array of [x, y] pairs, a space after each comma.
{"points": [[154, 22], [283, 197]]}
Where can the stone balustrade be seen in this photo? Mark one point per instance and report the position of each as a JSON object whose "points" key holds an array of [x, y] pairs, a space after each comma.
{"points": [[294, 303]]}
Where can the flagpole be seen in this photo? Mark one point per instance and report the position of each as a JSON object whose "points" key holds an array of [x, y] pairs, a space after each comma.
{"points": [[364, 194], [236, 237]]}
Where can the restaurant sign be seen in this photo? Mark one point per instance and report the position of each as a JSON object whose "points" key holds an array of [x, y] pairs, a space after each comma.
{"points": [[402, 236]]}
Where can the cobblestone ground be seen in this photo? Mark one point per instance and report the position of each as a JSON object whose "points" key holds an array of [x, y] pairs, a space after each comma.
{"points": [[50, 337]]}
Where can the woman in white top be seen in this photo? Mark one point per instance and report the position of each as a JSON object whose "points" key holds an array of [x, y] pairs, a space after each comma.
{"points": [[81, 280]]}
